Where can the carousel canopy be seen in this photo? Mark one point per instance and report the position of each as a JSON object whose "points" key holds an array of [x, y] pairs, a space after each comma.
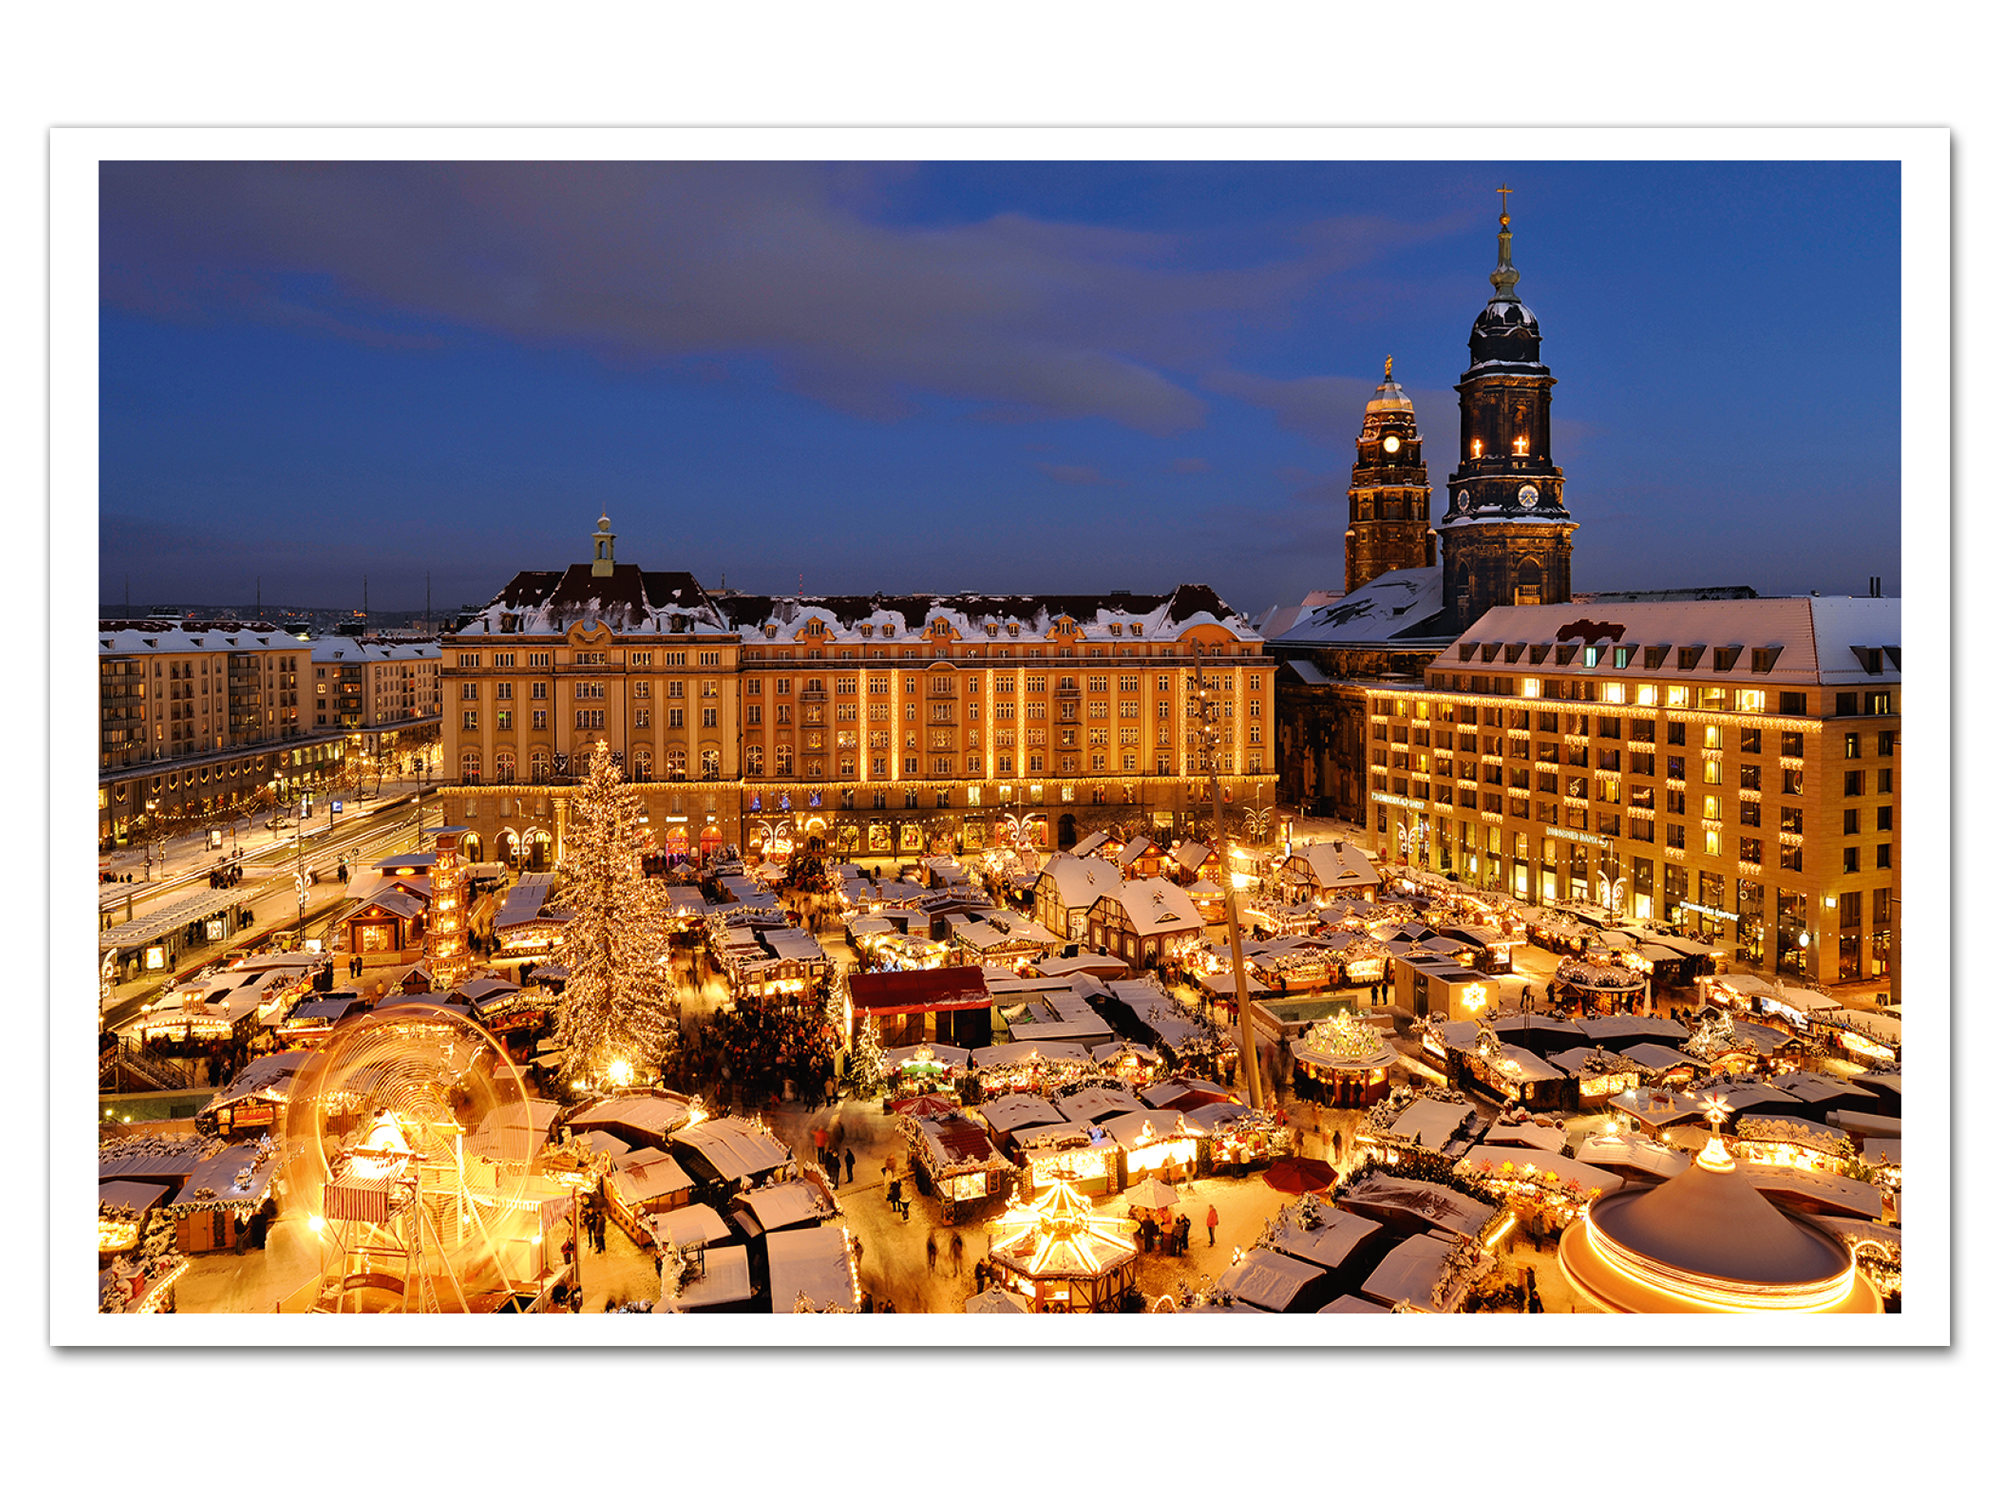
{"points": [[1708, 1240]]}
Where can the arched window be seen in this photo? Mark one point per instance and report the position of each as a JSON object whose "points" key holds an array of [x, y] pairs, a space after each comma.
{"points": [[642, 765], [468, 767], [711, 762], [503, 767], [753, 760], [538, 767], [677, 762], [1528, 583]]}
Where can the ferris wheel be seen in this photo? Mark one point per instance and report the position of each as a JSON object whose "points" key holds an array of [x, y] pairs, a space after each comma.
{"points": [[409, 1147]]}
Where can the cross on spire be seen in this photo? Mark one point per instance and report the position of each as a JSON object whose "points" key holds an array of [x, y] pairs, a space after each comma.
{"points": [[1503, 191]]}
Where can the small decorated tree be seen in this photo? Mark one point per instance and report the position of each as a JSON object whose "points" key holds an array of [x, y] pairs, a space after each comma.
{"points": [[867, 1064], [615, 1021]]}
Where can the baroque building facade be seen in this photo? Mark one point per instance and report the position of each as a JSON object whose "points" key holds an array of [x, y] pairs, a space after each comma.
{"points": [[879, 725]]}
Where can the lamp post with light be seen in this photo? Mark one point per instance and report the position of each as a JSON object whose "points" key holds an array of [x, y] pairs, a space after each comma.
{"points": [[1208, 735]]}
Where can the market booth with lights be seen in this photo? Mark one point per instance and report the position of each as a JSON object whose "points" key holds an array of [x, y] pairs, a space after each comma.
{"points": [[955, 1161], [1440, 987]]}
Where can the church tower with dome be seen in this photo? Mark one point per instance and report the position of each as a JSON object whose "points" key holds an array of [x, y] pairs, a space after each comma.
{"points": [[1506, 533], [1389, 492]]}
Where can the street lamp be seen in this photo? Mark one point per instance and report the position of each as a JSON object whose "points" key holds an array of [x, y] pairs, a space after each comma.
{"points": [[150, 806], [1208, 735]]}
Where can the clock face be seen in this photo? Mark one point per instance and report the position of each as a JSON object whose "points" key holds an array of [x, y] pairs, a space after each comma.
{"points": [[1528, 495], [1391, 443]]}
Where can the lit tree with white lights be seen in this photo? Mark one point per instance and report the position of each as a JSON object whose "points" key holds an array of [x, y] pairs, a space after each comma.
{"points": [[615, 1020]]}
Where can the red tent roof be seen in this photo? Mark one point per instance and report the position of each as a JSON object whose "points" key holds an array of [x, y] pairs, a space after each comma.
{"points": [[960, 988]]}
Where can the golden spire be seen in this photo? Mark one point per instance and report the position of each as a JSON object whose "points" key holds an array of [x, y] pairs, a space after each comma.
{"points": [[1388, 365]]}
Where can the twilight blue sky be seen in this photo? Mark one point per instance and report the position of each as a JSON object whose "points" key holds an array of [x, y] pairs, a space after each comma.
{"points": [[1004, 376]]}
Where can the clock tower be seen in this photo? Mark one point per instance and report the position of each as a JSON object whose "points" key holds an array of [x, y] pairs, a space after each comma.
{"points": [[1389, 493], [1506, 535]]}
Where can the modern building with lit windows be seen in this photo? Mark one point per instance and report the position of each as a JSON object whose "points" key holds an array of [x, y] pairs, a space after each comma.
{"points": [[1727, 767]]}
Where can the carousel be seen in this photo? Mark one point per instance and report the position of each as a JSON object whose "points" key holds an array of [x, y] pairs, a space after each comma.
{"points": [[1706, 1241], [1343, 1061], [1061, 1256]]}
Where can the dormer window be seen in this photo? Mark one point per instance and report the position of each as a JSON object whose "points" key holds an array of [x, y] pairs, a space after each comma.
{"points": [[770, 632]]}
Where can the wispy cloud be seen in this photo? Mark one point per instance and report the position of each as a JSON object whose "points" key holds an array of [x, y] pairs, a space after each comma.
{"points": [[652, 263], [1086, 474]]}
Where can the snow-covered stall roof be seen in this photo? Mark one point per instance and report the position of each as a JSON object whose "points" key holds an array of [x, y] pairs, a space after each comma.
{"points": [[1096, 1103], [697, 1224], [646, 1176], [1010, 1113], [725, 1279], [813, 1263], [266, 1077], [1012, 1054], [1439, 1207], [1410, 1271], [1431, 1122], [1267, 1279], [1077, 883], [642, 1119], [236, 1177], [1638, 1152], [781, 1205], [1330, 1243], [734, 1148], [1519, 1160]]}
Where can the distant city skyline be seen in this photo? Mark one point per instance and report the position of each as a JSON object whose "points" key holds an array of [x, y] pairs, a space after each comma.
{"points": [[1013, 377]]}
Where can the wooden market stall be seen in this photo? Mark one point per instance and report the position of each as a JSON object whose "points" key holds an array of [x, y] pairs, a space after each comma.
{"points": [[956, 1162]]}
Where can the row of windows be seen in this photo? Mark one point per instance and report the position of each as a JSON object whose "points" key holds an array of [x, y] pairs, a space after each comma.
{"points": [[1878, 703]]}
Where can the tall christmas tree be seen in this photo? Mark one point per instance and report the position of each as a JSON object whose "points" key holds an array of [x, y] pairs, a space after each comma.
{"points": [[615, 1020]]}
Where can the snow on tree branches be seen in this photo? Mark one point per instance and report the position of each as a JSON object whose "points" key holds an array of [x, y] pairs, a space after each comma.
{"points": [[615, 1020]]}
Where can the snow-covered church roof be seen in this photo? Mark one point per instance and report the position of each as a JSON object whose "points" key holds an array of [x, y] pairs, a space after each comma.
{"points": [[1401, 606]]}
